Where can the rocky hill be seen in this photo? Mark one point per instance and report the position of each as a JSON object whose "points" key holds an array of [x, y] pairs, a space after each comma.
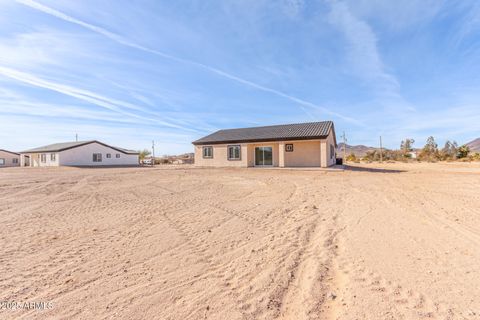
{"points": [[474, 145], [358, 150]]}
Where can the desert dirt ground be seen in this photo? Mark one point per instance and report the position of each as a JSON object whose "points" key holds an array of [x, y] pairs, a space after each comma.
{"points": [[391, 241]]}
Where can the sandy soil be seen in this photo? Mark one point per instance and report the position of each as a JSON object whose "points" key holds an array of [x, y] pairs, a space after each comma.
{"points": [[184, 243]]}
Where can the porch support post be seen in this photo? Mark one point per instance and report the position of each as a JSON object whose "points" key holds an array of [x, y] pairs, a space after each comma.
{"points": [[323, 154], [281, 154]]}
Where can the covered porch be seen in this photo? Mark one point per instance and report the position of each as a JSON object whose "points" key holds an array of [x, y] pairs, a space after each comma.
{"points": [[307, 153], [30, 160]]}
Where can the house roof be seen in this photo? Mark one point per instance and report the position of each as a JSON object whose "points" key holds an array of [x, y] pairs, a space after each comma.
{"points": [[297, 131], [57, 147], [10, 152]]}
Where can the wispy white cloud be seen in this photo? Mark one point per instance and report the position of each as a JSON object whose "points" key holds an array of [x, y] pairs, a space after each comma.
{"points": [[444, 124], [96, 99], [293, 8], [469, 26], [304, 104], [46, 128], [25, 107], [362, 47], [398, 15], [406, 69]]}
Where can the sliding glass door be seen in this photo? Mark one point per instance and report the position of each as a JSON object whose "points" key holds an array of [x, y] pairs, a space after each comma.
{"points": [[263, 156]]}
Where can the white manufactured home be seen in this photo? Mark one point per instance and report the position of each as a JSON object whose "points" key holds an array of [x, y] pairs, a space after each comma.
{"points": [[9, 158], [78, 153]]}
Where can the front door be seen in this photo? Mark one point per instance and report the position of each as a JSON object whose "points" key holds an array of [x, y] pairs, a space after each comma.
{"points": [[263, 156]]}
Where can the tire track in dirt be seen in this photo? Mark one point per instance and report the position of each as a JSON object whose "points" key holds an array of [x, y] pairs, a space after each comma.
{"points": [[315, 277], [402, 301]]}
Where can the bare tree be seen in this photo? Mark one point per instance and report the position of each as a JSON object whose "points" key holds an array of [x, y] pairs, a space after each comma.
{"points": [[449, 151], [430, 150], [144, 153], [406, 147]]}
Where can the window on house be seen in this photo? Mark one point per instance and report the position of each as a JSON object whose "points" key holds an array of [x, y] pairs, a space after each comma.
{"points": [[207, 152], [2, 162], [109, 155], [14, 161], [43, 157], [289, 147], [117, 155], [332, 152], [53, 156], [97, 157], [233, 152]]}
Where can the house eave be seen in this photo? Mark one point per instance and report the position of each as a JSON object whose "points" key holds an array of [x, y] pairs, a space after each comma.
{"points": [[77, 146], [200, 143], [11, 152]]}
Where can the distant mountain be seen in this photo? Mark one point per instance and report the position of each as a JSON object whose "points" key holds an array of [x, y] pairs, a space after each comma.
{"points": [[359, 150], [474, 145]]}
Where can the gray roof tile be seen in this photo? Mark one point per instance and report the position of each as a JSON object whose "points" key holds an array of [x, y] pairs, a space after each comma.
{"points": [[57, 147], [298, 131], [10, 152]]}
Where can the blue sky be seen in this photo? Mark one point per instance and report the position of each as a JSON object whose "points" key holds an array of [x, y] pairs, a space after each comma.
{"points": [[127, 72]]}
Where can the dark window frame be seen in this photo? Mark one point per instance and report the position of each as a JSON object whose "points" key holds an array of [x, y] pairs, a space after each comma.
{"points": [[53, 157], [108, 155], [43, 158], [117, 155], [2, 162], [97, 157], [332, 152], [239, 152], [289, 147], [207, 148], [15, 160]]}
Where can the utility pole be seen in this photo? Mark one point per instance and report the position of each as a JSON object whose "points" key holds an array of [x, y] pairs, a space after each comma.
{"points": [[381, 150], [76, 137], [153, 153], [344, 148]]}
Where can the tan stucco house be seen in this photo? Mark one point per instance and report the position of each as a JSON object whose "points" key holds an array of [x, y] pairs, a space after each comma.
{"points": [[9, 158], [78, 153], [291, 145]]}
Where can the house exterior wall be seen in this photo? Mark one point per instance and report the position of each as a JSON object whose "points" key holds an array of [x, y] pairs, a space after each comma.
{"points": [[331, 157], [305, 154], [251, 152], [48, 159], [35, 159], [8, 159], [220, 158], [83, 156]]}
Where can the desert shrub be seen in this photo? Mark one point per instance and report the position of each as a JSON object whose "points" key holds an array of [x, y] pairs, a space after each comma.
{"points": [[463, 152], [351, 157]]}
